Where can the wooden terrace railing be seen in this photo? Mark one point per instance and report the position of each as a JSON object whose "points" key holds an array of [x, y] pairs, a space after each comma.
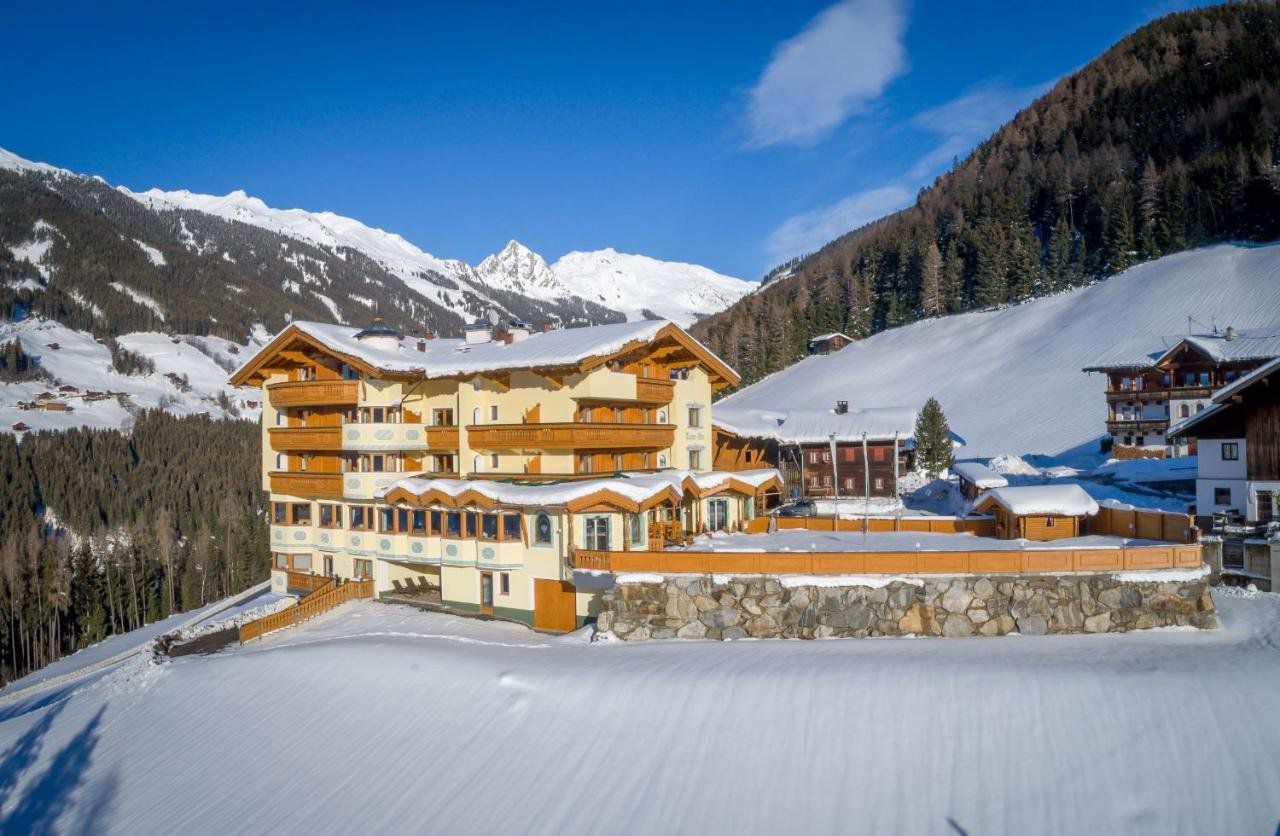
{"points": [[324, 598]]}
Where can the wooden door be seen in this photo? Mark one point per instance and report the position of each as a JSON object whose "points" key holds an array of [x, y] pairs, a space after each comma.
{"points": [[554, 605], [486, 593]]}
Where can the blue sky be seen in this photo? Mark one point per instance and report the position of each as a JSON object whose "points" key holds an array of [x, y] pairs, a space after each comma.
{"points": [[727, 134]]}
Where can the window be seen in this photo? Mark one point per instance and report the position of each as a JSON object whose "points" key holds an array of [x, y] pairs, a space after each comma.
{"points": [[1199, 407], [304, 462], [596, 533], [489, 526], [386, 519], [453, 524], [402, 520], [542, 529], [1204, 378], [437, 518], [280, 513], [442, 417], [301, 563], [362, 568], [879, 483], [638, 536], [419, 522], [475, 415], [1184, 411], [1222, 496], [470, 520], [504, 583], [510, 526], [493, 461], [327, 515], [618, 463], [813, 457], [301, 513], [695, 416], [1266, 506], [878, 454], [1049, 522], [584, 463], [1231, 375], [361, 518], [717, 514], [619, 415], [349, 373], [281, 560], [493, 413], [1231, 451], [695, 459]]}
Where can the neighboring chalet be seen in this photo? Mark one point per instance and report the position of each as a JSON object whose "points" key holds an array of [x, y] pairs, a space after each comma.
{"points": [[1038, 512], [829, 343], [976, 479], [822, 453], [1239, 449], [474, 469], [1146, 393]]}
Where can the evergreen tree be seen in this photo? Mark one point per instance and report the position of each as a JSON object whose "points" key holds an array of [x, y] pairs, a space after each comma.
{"points": [[932, 301], [1149, 211], [934, 451], [1118, 252]]}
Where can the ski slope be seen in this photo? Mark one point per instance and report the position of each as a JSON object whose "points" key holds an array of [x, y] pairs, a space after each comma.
{"points": [[1010, 380], [376, 718]]}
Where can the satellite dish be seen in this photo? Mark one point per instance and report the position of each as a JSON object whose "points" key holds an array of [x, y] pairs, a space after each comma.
{"points": [[494, 316]]}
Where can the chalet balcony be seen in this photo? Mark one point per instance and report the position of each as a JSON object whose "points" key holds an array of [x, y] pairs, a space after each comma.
{"points": [[654, 391], [571, 436], [1132, 426], [319, 485], [304, 439], [1116, 395], [314, 393], [375, 437]]}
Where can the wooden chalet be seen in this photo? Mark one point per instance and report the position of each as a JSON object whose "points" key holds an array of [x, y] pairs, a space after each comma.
{"points": [[829, 343]]}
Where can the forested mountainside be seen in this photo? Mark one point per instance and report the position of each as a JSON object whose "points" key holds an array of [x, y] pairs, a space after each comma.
{"points": [[103, 531], [1168, 141]]}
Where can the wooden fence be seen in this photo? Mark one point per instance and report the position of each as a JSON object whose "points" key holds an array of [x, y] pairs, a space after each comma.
{"points": [[979, 526], [1010, 561], [1143, 525], [324, 597]]}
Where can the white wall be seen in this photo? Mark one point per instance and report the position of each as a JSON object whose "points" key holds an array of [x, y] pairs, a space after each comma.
{"points": [[1211, 464]]}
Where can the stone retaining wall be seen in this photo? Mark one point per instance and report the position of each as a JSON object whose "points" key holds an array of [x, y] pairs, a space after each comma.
{"points": [[706, 607]]}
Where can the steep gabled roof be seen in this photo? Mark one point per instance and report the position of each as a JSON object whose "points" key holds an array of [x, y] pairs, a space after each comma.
{"points": [[1225, 397], [570, 347], [1260, 343]]}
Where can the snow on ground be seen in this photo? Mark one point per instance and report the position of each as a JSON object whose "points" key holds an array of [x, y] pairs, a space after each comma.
{"points": [[141, 298], [1010, 380], [376, 718], [153, 255], [81, 361]]}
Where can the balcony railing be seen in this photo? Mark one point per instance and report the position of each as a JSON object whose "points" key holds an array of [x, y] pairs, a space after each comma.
{"points": [[652, 390], [579, 436], [383, 436], [294, 439], [1163, 393], [322, 485], [314, 393]]}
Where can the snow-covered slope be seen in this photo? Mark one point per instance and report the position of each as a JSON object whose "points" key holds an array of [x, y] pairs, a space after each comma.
{"points": [[1010, 380], [634, 284], [376, 718], [190, 377]]}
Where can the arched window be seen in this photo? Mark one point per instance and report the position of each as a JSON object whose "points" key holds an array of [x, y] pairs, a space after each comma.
{"points": [[542, 529], [476, 463], [475, 415]]}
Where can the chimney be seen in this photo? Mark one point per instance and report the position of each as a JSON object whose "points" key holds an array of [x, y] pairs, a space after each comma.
{"points": [[842, 407], [546, 327], [422, 345], [518, 329], [478, 332], [430, 335], [1230, 334]]}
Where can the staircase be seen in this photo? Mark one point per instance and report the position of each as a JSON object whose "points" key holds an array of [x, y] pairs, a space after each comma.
{"points": [[322, 598]]}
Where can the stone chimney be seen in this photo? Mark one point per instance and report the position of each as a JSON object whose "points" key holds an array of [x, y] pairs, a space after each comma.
{"points": [[422, 344], [842, 407], [1230, 334]]}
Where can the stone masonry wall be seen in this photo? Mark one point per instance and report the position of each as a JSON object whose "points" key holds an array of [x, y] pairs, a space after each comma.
{"points": [[705, 607]]}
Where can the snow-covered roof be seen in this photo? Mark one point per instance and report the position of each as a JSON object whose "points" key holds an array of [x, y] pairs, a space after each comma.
{"points": [[979, 475], [636, 488], [442, 357], [814, 426], [1029, 500], [1255, 344], [822, 337]]}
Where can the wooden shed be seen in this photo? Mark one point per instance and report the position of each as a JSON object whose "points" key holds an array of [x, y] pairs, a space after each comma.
{"points": [[1038, 512], [976, 479]]}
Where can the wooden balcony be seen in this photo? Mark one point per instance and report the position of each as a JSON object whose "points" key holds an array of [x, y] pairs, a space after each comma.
{"points": [[320, 485], [304, 439], [442, 438], [571, 436], [1124, 426], [1162, 394], [314, 393], [653, 390]]}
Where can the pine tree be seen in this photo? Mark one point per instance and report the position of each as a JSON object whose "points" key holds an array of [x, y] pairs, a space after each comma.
{"points": [[934, 452], [1149, 210], [1118, 247], [932, 302]]}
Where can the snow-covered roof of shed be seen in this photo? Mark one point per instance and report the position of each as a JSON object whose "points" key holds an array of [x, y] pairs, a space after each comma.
{"points": [[822, 337], [979, 475], [1254, 344], [1029, 500], [813, 426]]}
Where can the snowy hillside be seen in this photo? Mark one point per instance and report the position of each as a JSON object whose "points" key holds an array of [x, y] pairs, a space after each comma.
{"points": [[1010, 380], [632, 284], [376, 718], [190, 377]]}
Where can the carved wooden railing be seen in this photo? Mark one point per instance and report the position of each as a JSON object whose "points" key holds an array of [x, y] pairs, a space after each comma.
{"points": [[571, 436], [314, 392], [291, 439], [322, 485], [652, 390]]}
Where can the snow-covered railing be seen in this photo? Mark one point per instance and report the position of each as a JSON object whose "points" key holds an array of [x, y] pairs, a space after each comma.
{"points": [[979, 526], [321, 600]]}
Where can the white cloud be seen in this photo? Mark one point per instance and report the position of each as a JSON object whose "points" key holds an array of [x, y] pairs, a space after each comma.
{"points": [[835, 68], [960, 124], [808, 231], [964, 122]]}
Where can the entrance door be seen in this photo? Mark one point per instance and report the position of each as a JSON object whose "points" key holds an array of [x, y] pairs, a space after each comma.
{"points": [[554, 605], [328, 566], [486, 593]]}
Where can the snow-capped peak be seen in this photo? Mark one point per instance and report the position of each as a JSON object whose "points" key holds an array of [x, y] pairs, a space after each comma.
{"points": [[520, 269], [12, 162]]}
